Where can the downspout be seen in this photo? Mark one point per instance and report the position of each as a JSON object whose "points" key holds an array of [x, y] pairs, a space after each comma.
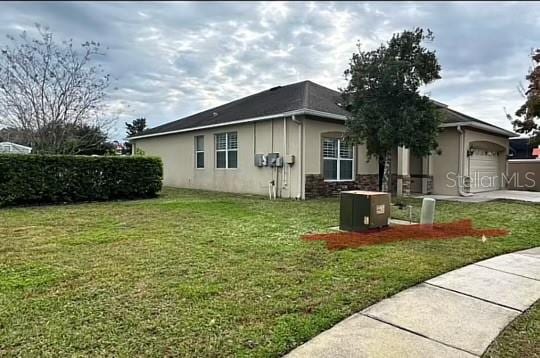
{"points": [[460, 163], [283, 168], [300, 161], [254, 138]]}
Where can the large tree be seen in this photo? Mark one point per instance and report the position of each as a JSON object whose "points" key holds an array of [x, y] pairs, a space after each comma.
{"points": [[529, 113], [48, 88], [383, 97], [136, 127], [87, 140]]}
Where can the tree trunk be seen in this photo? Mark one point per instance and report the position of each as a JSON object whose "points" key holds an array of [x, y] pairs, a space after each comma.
{"points": [[387, 161]]}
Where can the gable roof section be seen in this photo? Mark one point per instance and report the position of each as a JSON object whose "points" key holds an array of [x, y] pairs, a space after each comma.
{"points": [[304, 97], [453, 118], [296, 97]]}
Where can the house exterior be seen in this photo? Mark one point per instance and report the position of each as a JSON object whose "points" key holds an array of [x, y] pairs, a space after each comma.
{"points": [[9, 147], [289, 140]]}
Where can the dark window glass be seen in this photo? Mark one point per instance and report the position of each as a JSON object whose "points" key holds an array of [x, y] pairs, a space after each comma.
{"points": [[220, 159], [340, 168], [233, 159], [345, 170], [199, 152], [330, 169], [226, 150], [200, 160]]}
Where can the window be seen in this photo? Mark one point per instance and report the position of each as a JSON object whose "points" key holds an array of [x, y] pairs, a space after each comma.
{"points": [[199, 152], [338, 158], [227, 150]]}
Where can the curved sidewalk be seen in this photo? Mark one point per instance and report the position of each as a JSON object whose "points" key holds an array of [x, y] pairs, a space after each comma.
{"points": [[457, 314]]}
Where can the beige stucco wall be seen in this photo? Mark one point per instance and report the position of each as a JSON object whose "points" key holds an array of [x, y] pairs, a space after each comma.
{"points": [[446, 162], [178, 155], [313, 152]]}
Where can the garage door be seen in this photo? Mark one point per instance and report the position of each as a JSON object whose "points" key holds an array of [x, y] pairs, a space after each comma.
{"points": [[484, 171]]}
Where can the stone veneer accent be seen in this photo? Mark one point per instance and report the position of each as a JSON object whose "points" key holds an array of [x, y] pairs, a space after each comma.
{"points": [[406, 183], [430, 184], [316, 186], [406, 179], [429, 181]]}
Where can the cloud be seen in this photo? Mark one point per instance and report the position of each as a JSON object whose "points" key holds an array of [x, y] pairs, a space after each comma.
{"points": [[170, 60]]}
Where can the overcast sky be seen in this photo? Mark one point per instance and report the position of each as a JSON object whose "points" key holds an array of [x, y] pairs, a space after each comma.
{"points": [[170, 60]]}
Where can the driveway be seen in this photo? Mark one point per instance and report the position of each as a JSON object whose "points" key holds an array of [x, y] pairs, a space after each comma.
{"points": [[529, 196]]}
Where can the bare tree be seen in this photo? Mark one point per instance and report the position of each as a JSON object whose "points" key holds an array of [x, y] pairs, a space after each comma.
{"points": [[47, 89]]}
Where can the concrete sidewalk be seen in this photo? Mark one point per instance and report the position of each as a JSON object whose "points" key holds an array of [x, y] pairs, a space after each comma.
{"points": [[457, 314]]}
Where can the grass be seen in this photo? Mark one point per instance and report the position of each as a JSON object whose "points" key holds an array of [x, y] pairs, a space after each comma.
{"points": [[519, 339], [208, 274]]}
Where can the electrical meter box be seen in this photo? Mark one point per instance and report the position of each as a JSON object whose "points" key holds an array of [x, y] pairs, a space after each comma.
{"points": [[260, 160], [363, 210], [289, 159], [272, 159]]}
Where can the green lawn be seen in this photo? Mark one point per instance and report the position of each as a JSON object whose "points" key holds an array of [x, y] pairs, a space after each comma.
{"points": [[207, 274], [519, 339]]}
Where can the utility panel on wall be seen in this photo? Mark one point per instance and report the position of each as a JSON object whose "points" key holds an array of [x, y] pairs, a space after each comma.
{"points": [[260, 160], [289, 159], [273, 160]]}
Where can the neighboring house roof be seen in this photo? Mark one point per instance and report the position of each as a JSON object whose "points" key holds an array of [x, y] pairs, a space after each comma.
{"points": [[304, 97], [520, 148], [9, 147]]}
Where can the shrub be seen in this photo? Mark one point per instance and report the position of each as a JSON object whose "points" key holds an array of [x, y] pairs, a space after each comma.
{"points": [[36, 179]]}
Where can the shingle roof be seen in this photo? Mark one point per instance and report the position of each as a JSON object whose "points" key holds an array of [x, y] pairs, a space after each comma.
{"points": [[452, 117], [277, 100], [305, 95]]}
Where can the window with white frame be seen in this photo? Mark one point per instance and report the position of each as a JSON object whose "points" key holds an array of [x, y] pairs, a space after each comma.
{"points": [[227, 150], [199, 152], [338, 160]]}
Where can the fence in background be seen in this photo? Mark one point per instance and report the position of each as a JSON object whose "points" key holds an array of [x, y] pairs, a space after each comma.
{"points": [[523, 174]]}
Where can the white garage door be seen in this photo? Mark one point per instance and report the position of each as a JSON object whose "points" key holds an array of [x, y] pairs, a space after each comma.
{"points": [[484, 171]]}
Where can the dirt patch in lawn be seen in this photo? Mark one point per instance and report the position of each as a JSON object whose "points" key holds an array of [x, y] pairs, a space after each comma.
{"points": [[444, 231]]}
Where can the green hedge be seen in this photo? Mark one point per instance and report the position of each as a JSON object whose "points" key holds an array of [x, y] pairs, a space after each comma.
{"points": [[36, 179]]}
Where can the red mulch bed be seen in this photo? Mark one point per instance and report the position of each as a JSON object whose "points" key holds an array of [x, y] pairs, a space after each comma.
{"points": [[445, 231]]}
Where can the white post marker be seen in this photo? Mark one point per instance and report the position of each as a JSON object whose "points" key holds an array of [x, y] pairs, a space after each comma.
{"points": [[427, 214]]}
